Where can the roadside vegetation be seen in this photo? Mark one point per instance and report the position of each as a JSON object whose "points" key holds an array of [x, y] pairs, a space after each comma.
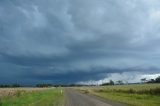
{"points": [[132, 95], [146, 93], [32, 97]]}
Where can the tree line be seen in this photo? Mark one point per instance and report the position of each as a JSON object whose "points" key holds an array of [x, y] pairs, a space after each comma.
{"points": [[9, 85], [157, 80], [143, 80], [111, 82]]}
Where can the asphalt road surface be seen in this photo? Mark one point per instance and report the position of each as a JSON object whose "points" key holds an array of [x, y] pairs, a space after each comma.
{"points": [[75, 98]]}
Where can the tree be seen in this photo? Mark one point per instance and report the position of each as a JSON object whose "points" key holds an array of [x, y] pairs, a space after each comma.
{"points": [[120, 82], [151, 81], [111, 82], [44, 85], [15, 85], [108, 83], [143, 80], [157, 80]]}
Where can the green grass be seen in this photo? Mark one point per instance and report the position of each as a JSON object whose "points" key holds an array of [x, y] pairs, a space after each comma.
{"points": [[50, 97], [136, 89], [133, 86], [132, 99], [132, 95]]}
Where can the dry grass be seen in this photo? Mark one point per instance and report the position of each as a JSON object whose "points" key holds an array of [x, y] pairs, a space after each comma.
{"points": [[14, 91], [132, 95], [134, 88]]}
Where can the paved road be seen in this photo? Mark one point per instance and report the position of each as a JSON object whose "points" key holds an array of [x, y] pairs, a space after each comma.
{"points": [[75, 98]]}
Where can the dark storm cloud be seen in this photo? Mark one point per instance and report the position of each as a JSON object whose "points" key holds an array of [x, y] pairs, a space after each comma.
{"points": [[77, 40]]}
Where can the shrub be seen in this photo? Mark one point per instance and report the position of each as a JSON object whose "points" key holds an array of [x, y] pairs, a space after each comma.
{"points": [[86, 91], [0, 102], [18, 93]]}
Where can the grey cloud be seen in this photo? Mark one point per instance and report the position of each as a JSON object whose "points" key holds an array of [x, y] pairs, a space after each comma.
{"points": [[60, 39]]}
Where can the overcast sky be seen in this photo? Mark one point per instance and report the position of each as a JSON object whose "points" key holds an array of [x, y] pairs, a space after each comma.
{"points": [[78, 41]]}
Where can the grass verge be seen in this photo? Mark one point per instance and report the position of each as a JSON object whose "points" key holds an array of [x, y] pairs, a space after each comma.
{"points": [[131, 99], [132, 95], [49, 97]]}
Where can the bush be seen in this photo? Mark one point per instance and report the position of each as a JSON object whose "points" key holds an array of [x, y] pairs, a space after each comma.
{"points": [[18, 93], [131, 91], [0, 102], [86, 91]]}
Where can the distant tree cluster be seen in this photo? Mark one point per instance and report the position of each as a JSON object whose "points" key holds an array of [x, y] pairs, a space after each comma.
{"points": [[157, 80], [108, 83], [44, 85], [9, 85], [143, 80], [120, 82], [58, 85]]}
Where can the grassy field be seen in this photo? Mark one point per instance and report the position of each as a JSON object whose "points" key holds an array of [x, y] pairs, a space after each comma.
{"points": [[132, 95], [31, 97]]}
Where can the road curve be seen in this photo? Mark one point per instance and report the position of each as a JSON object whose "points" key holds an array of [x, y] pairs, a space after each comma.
{"points": [[75, 98]]}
